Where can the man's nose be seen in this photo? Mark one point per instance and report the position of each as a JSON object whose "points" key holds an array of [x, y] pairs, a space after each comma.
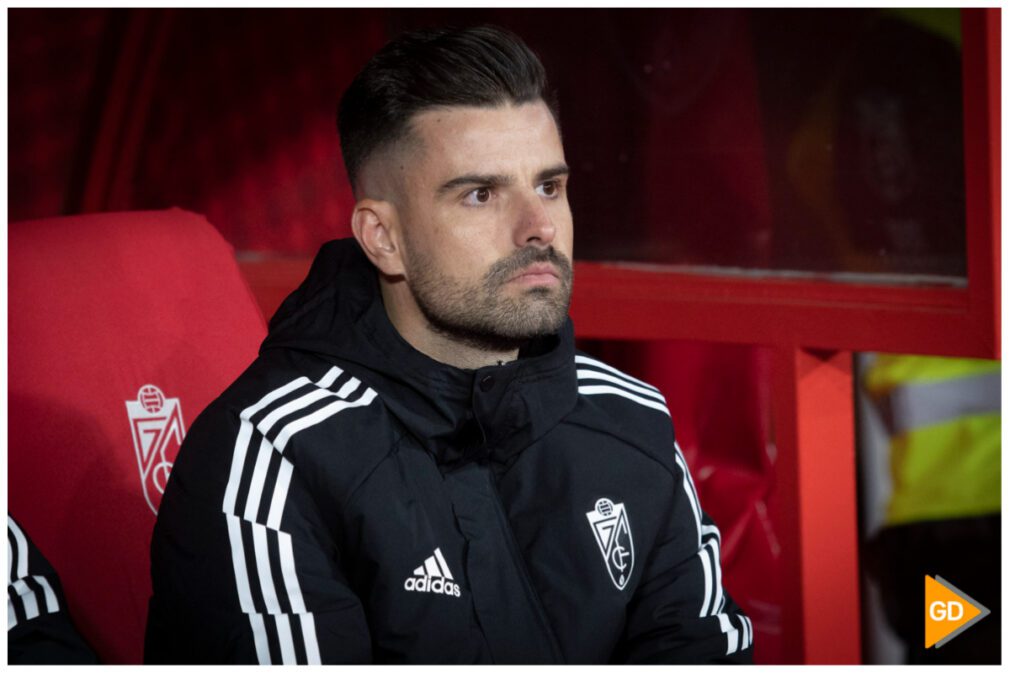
{"points": [[534, 225]]}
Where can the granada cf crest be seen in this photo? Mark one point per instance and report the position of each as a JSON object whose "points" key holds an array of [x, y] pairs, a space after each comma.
{"points": [[158, 430], [609, 521]]}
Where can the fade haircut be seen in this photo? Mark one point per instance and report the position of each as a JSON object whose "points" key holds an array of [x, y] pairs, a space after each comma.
{"points": [[481, 66]]}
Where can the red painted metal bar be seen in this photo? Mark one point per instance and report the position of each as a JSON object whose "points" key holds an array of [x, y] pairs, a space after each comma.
{"points": [[980, 74], [614, 302], [815, 503]]}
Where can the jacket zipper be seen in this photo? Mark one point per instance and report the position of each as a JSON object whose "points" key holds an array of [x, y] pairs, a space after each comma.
{"points": [[517, 559]]}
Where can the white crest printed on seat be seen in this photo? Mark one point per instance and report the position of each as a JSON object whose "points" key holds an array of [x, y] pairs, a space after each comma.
{"points": [[158, 430]]}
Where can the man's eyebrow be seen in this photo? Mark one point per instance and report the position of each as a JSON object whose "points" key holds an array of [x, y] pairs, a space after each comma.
{"points": [[553, 172], [479, 179], [497, 179]]}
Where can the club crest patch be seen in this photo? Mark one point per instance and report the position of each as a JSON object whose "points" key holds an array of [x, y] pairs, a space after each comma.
{"points": [[612, 531], [158, 430]]}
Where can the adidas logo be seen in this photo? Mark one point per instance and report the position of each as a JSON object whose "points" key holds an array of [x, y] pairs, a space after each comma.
{"points": [[433, 576]]}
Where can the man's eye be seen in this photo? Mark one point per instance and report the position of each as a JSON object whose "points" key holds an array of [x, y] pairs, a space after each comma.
{"points": [[481, 195], [548, 189]]}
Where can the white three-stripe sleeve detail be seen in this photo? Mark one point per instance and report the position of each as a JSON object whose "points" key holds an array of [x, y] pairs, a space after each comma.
{"points": [[311, 642], [280, 494], [287, 641], [750, 631], [238, 559], [263, 459], [249, 510], [237, 464], [745, 639], [289, 573], [441, 563], [319, 415], [709, 530], [707, 572], [266, 579], [690, 480], [714, 595], [635, 388], [613, 390], [349, 387], [259, 630], [295, 599], [584, 360], [248, 412], [291, 406], [238, 562], [12, 617], [719, 600], [256, 622], [28, 599], [19, 537], [10, 562], [52, 606], [330, 377], [259, 534], [259, 476], [690, 496], [714, 606], [303, 401], [731, 632]]}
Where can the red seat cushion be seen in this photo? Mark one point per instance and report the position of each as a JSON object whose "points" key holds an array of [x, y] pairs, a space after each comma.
{"points": [[122, 328]]}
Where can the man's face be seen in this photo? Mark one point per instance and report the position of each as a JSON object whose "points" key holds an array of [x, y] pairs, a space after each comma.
{"points": [[487, 231]]}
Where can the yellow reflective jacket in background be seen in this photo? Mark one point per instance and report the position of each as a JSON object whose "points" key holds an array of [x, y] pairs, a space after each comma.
{"points": [[943, 416]]}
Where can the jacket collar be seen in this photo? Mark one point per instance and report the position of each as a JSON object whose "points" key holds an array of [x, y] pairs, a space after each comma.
{"points": [[489, 414]]}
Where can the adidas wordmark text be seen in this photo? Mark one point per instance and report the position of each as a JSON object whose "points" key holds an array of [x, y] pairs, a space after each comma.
{"points": [[433, 576]]}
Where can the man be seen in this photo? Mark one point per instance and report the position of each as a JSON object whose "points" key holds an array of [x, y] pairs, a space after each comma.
{"points": [[419, 467]]}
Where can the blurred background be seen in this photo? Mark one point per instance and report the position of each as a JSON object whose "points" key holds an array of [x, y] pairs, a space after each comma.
{"points": [[821, 147]]}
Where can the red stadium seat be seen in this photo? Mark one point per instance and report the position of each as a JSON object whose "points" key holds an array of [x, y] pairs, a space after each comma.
{"points": [[122, 328]]}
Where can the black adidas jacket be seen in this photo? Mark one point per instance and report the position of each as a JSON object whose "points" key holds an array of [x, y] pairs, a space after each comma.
{"points": [[348, 499]]}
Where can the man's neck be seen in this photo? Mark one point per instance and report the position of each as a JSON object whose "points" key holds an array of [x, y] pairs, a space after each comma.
{"points": [[412, 325]]}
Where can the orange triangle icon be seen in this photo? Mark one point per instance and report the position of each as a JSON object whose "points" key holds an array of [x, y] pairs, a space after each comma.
{"points": [[949, 611]]}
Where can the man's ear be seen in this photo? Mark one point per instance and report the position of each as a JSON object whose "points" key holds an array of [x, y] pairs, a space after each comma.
{"points": [[375, 224]]}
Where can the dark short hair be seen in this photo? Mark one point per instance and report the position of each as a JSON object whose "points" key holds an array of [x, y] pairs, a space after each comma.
{"points": [[482, 66]]}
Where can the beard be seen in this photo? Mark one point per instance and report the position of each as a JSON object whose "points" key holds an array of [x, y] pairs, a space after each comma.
{"points": [[483, 314]]}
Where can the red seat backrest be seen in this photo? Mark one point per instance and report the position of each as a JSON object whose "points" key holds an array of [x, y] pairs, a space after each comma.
{"points": [[122, 328]]}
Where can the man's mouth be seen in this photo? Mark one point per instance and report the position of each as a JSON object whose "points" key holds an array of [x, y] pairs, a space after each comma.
{"points": [[539, 273]]}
